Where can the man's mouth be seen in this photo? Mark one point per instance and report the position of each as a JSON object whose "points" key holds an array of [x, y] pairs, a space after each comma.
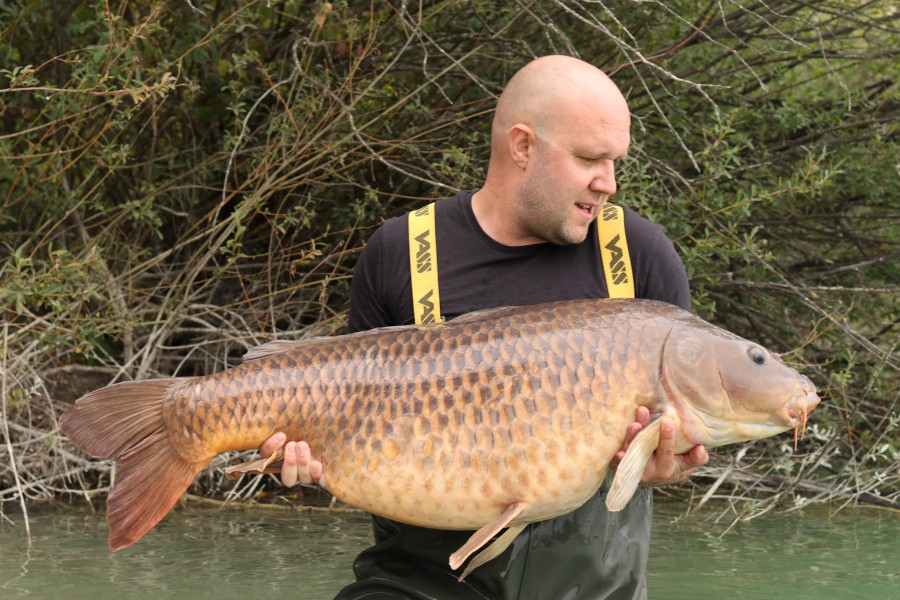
{"points": [[587, 209]]}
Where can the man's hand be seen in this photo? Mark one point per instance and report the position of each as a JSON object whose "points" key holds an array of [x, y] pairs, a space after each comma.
{"points": [[665, 467], [297, 465]]}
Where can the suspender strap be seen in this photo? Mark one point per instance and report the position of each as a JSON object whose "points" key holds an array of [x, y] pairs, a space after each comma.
{"points": [[423, 265], [614, 252], [423, 259]]}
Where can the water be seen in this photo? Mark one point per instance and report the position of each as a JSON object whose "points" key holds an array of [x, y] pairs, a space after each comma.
{"points": [[193, 553], [854, 554], [224, 554]]}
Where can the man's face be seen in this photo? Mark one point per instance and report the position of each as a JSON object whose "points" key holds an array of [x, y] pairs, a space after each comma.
{"points": [[572, 175]]}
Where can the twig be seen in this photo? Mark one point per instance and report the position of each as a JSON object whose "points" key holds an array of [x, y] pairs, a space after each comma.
{"points": [[4, 420]]}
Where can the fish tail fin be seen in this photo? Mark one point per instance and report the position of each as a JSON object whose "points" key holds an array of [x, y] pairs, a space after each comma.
{"points": [[124, 422]]}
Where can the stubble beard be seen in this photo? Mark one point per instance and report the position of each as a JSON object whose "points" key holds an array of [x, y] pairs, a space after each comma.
{"points": [[539, 216]]}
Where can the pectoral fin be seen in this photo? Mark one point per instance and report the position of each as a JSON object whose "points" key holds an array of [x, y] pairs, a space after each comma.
{"points": [[494, 550], [630, 470], [272, 464], [483, 535]]}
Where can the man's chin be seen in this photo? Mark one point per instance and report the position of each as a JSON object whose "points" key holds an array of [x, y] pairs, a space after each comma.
{"points": [[572, 235]]}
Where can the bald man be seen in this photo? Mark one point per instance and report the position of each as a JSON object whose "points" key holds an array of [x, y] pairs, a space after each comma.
{"points": [[528, 236]]}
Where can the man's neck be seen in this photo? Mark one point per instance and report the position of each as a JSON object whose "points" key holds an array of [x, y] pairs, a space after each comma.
{"points": [[497, 221]]}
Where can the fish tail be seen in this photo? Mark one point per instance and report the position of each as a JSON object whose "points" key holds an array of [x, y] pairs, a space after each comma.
{"points": [[124, 422]]}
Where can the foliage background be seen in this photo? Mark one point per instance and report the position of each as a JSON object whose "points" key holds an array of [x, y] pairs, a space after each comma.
{"points": [[180, 181]]}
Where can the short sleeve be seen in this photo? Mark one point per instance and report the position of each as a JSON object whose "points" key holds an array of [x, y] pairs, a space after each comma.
{"points": [[666, 278], [368, 303]]}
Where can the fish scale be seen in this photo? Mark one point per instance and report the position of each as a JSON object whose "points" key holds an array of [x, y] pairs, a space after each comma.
{"points": [[494, 420]]}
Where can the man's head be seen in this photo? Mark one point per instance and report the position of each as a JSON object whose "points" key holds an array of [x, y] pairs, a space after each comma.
{"points": [[559, 127]]}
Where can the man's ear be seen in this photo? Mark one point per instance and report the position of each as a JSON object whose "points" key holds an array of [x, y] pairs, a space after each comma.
{"points": [[521, 144]]}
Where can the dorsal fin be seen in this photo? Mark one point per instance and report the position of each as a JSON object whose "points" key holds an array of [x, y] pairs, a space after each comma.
{"points": [[273, 347], [276, 347], [279, 346], [481, 314]]}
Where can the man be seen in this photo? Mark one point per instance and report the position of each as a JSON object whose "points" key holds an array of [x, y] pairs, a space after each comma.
{"points": [[527, 236]]}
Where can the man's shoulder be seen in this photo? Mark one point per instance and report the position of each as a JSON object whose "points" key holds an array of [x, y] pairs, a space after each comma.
{"points": [[637, 224], [645, 236], [395, 231], [659, 270]]}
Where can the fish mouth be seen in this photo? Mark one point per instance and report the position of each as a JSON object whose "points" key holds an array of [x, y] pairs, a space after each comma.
{"points": [[796, 413]]}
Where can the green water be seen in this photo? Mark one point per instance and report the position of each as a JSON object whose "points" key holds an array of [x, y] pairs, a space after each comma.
{"points": [[206, 553]]}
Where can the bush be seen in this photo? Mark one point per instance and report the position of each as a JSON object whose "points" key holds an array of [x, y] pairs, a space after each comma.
{"points": [[181, 182]]}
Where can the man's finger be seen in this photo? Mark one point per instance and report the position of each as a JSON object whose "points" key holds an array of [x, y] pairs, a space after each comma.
{"points": [[290, 465], [303, 456], [316, 472], [696, 457], [310, 471], [667, 435], [631, 433], [642, 415], [665, 452], [275, 442]]}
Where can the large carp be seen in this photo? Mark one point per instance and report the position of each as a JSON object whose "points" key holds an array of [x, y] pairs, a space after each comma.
{"points": [[494, 420]]}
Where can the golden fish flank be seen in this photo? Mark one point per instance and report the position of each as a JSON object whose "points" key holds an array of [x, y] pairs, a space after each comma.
{"points": [[491, 421]]}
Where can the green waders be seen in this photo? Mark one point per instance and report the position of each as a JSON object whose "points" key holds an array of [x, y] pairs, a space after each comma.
{"points": [[590, 554]]}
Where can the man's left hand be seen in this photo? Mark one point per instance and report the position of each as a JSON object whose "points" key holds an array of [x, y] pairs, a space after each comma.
{"points": [[665, 467]]}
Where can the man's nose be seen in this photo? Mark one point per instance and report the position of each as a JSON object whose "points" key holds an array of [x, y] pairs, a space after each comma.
{"points": [[604, 181]]}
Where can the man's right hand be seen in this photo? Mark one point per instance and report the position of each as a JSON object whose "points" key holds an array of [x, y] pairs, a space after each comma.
{"points": [[297, 465], [665, 467]]}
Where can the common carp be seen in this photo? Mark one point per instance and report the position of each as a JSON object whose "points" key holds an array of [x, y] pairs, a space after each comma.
{"points": [[493, 420]]}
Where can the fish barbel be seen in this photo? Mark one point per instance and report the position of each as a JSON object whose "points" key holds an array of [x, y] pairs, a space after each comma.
{"points": [[493, 420]]}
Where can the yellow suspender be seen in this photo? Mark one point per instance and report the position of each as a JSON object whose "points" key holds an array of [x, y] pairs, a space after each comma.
{"points": [[423, 265], [614, 252], [423, 259]]}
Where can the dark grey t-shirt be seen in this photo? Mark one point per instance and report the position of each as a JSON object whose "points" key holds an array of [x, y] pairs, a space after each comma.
{"points": [[587, 554]]}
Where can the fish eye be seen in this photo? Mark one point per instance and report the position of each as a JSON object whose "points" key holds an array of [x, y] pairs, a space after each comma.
{"points": [[757, 355]]}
